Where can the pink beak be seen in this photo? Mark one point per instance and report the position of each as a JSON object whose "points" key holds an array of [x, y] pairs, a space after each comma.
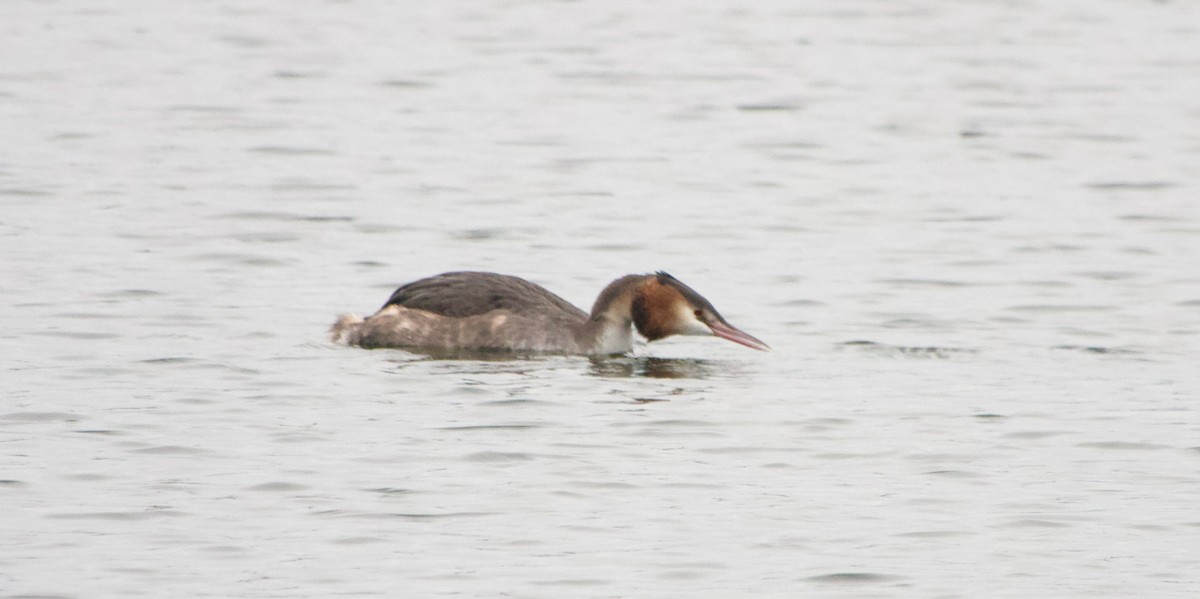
{"points": [[725, 330]]}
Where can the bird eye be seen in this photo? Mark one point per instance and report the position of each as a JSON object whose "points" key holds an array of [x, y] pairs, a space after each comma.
{"points": [[697, 313]]}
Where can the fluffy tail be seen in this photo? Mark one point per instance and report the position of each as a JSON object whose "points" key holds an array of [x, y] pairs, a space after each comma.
{"points": [[343, 331]]}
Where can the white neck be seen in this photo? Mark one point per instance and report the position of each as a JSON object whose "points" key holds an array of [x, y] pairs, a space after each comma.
{"points": [[611, 337]]}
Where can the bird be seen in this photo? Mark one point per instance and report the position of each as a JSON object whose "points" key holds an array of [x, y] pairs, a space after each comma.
{"points": [[482, 311]]}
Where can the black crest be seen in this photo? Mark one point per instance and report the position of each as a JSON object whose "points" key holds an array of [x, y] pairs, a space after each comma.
{"points": [[688, 293]]}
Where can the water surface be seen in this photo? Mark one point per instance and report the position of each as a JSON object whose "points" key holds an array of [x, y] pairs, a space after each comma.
{"points": [[969, 232]]}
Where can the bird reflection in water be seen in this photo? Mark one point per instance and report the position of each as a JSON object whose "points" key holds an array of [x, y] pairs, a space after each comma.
{"points": [[468, 361], [656, 368]]}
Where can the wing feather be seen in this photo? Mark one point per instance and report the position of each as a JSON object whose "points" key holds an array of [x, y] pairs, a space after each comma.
{"points": [[459, 294]]}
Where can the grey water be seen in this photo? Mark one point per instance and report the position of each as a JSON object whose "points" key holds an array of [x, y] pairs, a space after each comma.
{"points": [[969, 231]]}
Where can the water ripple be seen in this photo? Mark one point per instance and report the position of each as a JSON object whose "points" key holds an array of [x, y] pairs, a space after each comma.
{"points": [[854, 578]]}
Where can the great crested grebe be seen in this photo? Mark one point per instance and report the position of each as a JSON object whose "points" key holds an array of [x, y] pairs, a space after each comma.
{"points": [[487, 311]]}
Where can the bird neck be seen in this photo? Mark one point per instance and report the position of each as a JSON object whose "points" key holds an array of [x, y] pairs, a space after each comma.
{"points": [[609, 328]]}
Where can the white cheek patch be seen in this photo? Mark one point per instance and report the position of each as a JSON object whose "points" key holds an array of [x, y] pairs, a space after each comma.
{"points": [[689, 324]]}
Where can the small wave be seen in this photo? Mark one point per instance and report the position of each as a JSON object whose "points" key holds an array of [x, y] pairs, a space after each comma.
{"points": [[1098, 349], [170, 450], [42, 416], [489, 427], [1122, 445], [1132, 185], [935, 283], [499, 456], [1055, 308], [131, 516], [854, 578], [278, 486], [902, 351]]}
